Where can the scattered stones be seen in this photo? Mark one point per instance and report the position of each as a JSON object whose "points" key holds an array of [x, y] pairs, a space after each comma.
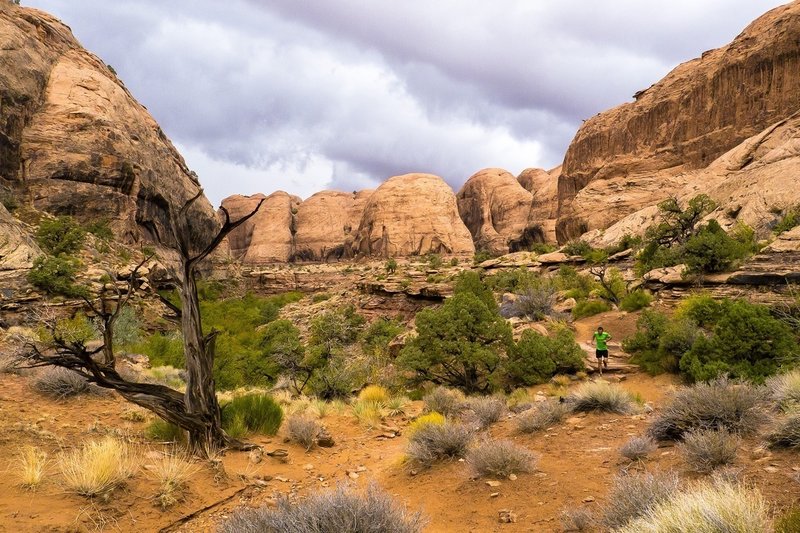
{"points": [[506, 516], [512, 477], [493, 483], [325, 440]]}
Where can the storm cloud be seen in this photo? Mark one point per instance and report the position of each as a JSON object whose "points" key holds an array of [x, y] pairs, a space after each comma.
{"points": [[265, 95]]}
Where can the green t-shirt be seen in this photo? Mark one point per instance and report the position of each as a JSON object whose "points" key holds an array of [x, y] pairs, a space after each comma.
{"points": [[600, 339]]}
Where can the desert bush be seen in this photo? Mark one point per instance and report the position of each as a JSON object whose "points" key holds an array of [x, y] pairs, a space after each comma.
{"points": [[61, 383], [448, 402], [31, 464], [341, 510], [500, 458], [706, 508], [637, 448], [486, 411], [391, 266], [576, 247], [162, 431], [711, 249], [517, 398], [379, 334], [789, 220], [601, 396], [577, 519], [573, 283], [514, 280], [172, 473], [789, 521], [542, 416], [635, 495], [339, 327], [303, 430], [432, 443], [62, 235], [660, 342], [162, 349], [584, 308], [635, 300], [166, 375], [319, 408], [736, 406], [340, 375], [784, 389], [786, 432], [537, 301], [260, 413], [707, 449], [536, 358], [428, 419], [463, 334], [56, 275], [374, 394], [9, 364], [97, 466], [470, 282]]}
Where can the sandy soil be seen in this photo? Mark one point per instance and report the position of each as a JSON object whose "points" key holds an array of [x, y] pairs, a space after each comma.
{"points": [[578, 460]]}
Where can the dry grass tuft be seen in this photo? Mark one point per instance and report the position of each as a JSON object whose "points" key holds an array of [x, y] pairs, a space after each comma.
{"points": [[542, 416], [635, 495], [578, 519], [485, 411], [368, 414], [60, 383], [172, 472], [397, 405], [707, 449], [32, 463], [97, 466], [600, 396], [303, 430], [786, 432], [437, 442], [637, 448], [500, 458], [784, 389], [449, 402]]}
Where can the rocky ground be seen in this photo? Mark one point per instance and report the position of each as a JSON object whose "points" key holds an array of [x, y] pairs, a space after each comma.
{"points": [[578, 460]]}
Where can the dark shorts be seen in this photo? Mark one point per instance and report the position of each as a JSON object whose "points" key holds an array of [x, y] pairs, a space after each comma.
{"points": [[601, 354]]}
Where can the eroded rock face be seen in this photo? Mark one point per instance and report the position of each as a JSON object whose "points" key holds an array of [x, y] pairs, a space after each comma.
{"points": [[412, 214], [17, 247], [74, 141], [638, 153], [494, 207], [326, 222], [268, 236], [543, 186]]}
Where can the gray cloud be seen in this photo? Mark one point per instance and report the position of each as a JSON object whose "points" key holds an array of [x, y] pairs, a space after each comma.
{"points": [[302, 96]]}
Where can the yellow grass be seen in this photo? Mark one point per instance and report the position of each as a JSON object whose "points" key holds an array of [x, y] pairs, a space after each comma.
{"points": [[172, 472], [97, 466], [32, 463], [367, 413], [374, 394], [430, 419]]}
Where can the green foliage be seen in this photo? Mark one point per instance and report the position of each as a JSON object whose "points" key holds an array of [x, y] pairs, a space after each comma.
{"points": [[584, 308], [340, 327], [459, 344], [127, 328], [320, 297], [391, 266], [659, 343], [703, 309], [434, 261], [163, 349], [633, 301], [711, 249], [789, 220], [574, 284], [471, 282], [536, 358], [283, 348], [788, 522], [481, 256], [56, 275], [258, 412], [540, 248], [746, 341], [162, 431], [516, 280], [627, 242], [379, 334], [340, 375], [577, 247], [611, 285], [100, 229], [60, 236]]}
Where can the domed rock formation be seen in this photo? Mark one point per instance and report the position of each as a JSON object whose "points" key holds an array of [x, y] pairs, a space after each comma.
{"points": [[494, 207], [543, 186], [268, 236], [638, 153], [74, 141], [412, 214], [325, 222]]}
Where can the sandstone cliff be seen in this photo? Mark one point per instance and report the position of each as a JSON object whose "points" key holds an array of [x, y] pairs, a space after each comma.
{"points": [[494, 207], [326, 224], [543, 186], [17, 248], [74, 141], [268, 236], [638, 153], [412, 214]]}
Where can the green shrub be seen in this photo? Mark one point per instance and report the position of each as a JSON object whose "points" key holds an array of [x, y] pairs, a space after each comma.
{"points": [[577, 247], [536, 302], [61, 235], [379, 334], [711, 249], [320, 297], [574, 284], [9, 201], [460, 344], [659, 343], [633, 301], [469, 282], [481, 256], [786, 432], [101, 229], [162, 349], [391, 266], [790, 219], [340, 327], [281, 345], [515, 280], [747, 342], [339, 376], [627, 242], [788, 522], [584, 308], [536, 358], [162, 431], [259, 413], [703, 309], [56, 275]]}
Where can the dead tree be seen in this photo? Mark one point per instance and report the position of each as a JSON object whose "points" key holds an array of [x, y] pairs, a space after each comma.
{"points": [[196, 411], [600, 272]]}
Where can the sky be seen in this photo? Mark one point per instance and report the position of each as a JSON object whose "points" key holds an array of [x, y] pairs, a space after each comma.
{"points": [[304, 95]]}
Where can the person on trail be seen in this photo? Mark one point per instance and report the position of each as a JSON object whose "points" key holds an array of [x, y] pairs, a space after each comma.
{"points": [[600, 340]]}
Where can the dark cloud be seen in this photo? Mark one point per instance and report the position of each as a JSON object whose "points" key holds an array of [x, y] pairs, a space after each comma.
{"points": [[277, 94]]}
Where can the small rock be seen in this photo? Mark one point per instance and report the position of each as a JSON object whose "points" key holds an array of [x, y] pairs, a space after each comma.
{"points": [[256, 456], [506, 516], [309, 466], [352, 475], [361, 468], [588, 499], [770, 469], [324, 440], [493, 483], [494, 495], [512, 477], [281, 479]]}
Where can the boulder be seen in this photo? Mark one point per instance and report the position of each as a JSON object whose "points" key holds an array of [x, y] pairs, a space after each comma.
{"points": [[412, 214], [495, 208]]}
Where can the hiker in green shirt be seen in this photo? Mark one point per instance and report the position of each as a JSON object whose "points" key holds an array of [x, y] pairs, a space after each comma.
{"points": [[600, 340]]}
